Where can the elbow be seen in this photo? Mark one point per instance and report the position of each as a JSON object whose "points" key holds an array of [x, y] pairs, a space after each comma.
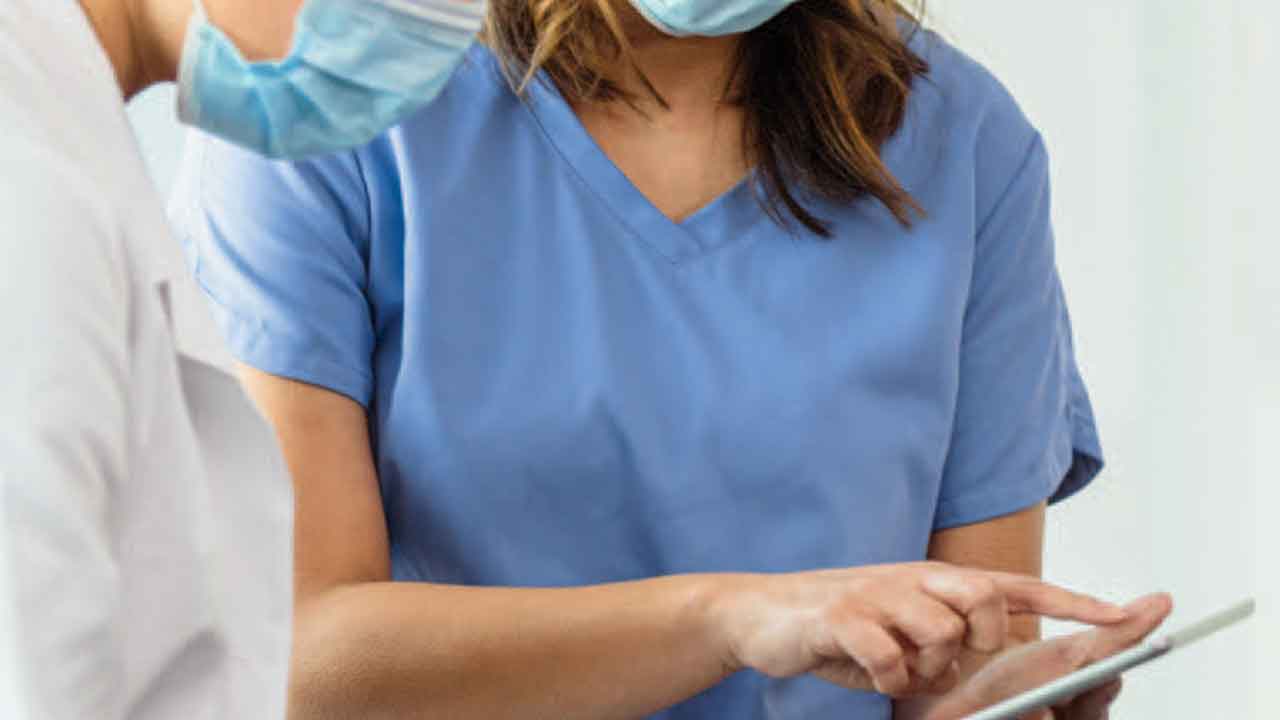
{"points": [[340, 661]]}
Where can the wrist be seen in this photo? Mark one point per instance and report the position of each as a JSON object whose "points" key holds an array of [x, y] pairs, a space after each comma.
{"points": [[720, 600]]}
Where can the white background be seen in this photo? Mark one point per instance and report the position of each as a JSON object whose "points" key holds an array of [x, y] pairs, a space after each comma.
{"points": [[1162, 119]]}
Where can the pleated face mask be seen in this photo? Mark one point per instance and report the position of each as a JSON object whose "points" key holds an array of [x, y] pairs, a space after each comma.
{"points": [[356, 68], [709, 17]]}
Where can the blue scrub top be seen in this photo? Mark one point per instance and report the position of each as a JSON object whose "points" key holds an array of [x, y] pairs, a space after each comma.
{"points": [[565, 387]]}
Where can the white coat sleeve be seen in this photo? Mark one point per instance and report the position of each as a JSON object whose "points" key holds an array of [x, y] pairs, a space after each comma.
{"points": [[64, 454]]}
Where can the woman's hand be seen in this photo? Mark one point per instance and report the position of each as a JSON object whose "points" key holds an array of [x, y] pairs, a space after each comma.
{"points": [[894, 629], [1029, 666]]}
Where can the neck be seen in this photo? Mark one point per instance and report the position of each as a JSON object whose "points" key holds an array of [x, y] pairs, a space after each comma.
{"points": [[684, 70], [142, 38]]}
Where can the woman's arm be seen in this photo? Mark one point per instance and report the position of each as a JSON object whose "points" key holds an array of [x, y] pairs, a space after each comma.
{"points": [[368, 647]]}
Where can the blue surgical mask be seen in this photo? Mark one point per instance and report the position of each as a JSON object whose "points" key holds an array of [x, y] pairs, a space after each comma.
{"points": [[356, 68], [709, 17]]}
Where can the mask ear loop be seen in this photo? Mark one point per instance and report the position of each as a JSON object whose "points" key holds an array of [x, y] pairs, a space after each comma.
{"points": [[202, 37], [192, 46]]}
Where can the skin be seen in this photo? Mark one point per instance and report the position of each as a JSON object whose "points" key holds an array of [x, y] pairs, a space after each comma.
{"points": [[686, 155], [143, 38], [953, 634]]}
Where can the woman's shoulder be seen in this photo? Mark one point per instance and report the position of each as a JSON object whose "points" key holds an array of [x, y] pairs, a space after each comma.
{"points": [[961, 91], [962, 123], [478, 95]]}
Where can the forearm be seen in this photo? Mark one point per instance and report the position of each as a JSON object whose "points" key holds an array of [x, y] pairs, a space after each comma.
{"points": [[417, 650], [365, 647]]}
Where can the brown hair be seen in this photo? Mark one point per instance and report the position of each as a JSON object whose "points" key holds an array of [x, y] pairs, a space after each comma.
{"points": [[823, 86]]}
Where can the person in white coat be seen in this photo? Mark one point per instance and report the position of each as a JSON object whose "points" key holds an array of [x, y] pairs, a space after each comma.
{"points": [[145, 510]]}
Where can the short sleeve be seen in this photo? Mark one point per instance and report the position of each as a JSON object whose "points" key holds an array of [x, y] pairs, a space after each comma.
{"points": [[1024, 430], [281, 250]]}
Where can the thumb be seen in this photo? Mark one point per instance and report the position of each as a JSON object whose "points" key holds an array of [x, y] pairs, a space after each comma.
{"points": [[1012, 672]]}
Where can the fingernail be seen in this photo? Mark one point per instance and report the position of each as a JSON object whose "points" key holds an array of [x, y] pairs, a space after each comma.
{"points": [[1117, 613]]}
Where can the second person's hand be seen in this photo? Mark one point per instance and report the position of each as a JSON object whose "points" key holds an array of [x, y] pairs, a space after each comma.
{"points": [[894, 629]]}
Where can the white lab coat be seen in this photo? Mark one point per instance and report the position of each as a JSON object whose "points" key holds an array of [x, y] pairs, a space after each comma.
{"points": [[145, 513]]}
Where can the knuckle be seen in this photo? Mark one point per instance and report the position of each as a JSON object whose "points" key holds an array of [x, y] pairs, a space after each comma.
{"points": [[953, 630], [885, 660], [932, 663], [985, 589], [947, 630], [894, 684]]}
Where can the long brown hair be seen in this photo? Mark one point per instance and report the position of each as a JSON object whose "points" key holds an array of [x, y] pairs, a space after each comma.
{"points": [[823, 86]]}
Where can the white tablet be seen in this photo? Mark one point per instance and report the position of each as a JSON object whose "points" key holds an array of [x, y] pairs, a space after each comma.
{"points": [[1102, 671]]}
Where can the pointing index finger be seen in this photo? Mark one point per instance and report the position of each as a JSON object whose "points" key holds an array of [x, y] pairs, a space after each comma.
{"points": [[1145, 615], [1028, 595]]}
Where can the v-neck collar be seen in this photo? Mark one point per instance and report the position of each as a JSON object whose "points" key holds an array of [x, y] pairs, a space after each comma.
{"points": [[724, 220]]}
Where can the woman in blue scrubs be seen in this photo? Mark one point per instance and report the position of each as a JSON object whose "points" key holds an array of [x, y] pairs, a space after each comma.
{"points": [[650, 388]]}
